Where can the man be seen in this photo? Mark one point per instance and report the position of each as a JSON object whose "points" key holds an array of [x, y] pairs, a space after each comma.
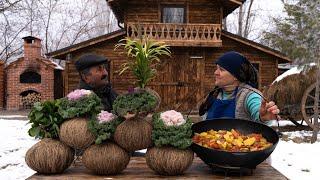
{"points": [[94, 76]]}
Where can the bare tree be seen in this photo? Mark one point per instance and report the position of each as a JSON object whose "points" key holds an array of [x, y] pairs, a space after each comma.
{"points": [[46, 18], [224, 24], [240, 20], [245, 17], [6, 4], [247, 23], [58, 23]]}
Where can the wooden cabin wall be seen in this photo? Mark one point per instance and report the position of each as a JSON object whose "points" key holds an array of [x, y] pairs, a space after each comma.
{"points": [[198, 11], [184, 79], [204, 12], [120, 83], [267, 63]]}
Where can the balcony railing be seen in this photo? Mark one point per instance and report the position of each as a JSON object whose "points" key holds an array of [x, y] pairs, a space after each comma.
{"points": [[206, 35]]}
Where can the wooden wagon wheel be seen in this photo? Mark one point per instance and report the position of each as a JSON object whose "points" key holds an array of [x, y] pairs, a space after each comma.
{"points": [[307, 105]]}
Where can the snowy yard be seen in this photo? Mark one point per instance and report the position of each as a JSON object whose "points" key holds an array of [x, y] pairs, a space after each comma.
{"points": [[295, 161]]}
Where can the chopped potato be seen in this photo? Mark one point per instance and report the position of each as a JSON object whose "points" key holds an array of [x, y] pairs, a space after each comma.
{"points": [[249, 141]]}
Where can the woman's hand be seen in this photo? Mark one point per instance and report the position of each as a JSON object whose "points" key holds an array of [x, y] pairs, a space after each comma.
{"points": [[268, 111]]}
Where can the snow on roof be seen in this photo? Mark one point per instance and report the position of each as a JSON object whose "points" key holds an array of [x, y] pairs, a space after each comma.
{"points": [[57, 66], [294, 70]]}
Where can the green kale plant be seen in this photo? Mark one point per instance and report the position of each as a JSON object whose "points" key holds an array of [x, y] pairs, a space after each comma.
{"points": [[45, 120], [134, 103], [176, 136], [86, 106], [103, 131]]}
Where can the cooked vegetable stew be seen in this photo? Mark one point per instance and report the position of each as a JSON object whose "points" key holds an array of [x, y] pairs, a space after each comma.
{"points": [[232, 141]]}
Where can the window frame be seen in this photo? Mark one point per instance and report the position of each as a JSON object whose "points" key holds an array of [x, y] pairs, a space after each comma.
{"points": [[258, 63], [174, 6]]}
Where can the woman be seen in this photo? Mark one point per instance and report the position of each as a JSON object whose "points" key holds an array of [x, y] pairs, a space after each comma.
{"points": [[235, 95]]}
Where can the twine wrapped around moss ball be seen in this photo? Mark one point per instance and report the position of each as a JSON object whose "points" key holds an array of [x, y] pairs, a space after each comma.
{"points": [[75, 133], [106, 158], [134, 134], [49, 156], [156, 95], [169, 161]]}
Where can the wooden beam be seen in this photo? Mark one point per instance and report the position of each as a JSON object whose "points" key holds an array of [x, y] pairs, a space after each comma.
{"points": [[87, 43], [236, 2]]}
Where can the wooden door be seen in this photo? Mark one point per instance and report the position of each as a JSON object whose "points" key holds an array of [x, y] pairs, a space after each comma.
{"points": [[179, 82]]}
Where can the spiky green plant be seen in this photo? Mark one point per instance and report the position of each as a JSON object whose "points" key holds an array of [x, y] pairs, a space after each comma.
{"points": [[143, 55]]}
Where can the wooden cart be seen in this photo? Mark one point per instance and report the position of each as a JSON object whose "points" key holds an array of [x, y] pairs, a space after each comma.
{"points": [[296, 96], [308, 107]]}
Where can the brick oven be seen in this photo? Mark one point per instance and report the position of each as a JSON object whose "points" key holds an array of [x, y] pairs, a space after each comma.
{"points": [[31, 78]]}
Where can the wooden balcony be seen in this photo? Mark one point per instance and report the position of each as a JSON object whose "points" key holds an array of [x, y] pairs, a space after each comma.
{"points": [[201, 35]]}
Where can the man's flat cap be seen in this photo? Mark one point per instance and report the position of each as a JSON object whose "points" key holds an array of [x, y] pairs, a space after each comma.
{"points": [[89, 60]]}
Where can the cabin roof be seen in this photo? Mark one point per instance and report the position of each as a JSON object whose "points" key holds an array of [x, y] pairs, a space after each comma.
{"points": [[118, 7], [62, 53], [266, 49]]}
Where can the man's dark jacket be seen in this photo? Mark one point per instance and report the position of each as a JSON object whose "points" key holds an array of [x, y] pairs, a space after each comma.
{"points": [[107, 94]]}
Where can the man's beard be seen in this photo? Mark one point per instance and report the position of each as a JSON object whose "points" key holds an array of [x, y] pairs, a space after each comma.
{"points": [[103, 82]]}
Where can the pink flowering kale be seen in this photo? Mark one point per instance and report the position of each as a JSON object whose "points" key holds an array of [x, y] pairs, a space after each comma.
{"points": [[170, 128], [105, 117], [104, 125], [172, 118], [80, 103], [77, 94]]}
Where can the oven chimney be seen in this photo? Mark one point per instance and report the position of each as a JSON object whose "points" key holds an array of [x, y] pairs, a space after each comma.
{"points": [[32, 48]]}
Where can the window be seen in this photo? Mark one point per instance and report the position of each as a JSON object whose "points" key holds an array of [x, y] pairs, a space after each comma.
{"points": [[173, 14], [30, 77], [257, 67]]}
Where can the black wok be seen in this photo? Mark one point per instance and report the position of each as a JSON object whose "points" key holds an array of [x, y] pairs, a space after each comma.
{"points": [[250, 160]]}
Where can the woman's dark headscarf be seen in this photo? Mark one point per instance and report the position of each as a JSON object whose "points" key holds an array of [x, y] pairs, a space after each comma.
{"points": [[239, 67]]}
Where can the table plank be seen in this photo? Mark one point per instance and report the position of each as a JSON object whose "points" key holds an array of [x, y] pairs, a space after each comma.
{"points": [[138, 169]]}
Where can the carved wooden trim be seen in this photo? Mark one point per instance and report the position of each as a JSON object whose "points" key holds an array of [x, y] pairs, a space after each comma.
{"points": [[178, 34]]}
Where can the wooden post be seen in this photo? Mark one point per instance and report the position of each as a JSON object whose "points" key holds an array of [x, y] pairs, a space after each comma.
{"points": [[316, 108], [2, 87]]}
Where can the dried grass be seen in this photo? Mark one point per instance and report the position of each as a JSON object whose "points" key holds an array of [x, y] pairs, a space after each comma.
{"points": [[156, 95], [107, 158], [49, 156], [168, 160], [289, 90], [75, 133], [134, 134]]}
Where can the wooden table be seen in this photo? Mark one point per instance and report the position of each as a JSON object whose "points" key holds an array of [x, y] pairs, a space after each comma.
{"points": [[138, 169]]}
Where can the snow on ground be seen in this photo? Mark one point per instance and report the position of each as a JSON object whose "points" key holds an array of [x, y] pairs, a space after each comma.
{"points": [[12, 116], [295, 161], [14, 143]]}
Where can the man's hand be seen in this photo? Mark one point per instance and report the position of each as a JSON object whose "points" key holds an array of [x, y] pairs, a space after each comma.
{"points": [[268, 111], [129, 116]]}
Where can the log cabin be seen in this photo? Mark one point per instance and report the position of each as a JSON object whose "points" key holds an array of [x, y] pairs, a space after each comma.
{"points": [[192, 29]]}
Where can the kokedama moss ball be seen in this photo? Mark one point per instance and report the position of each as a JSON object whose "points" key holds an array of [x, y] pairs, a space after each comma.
{"points": [[75, 133], [49, 156], [107, 158], [168, 160], [133, 134]]}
